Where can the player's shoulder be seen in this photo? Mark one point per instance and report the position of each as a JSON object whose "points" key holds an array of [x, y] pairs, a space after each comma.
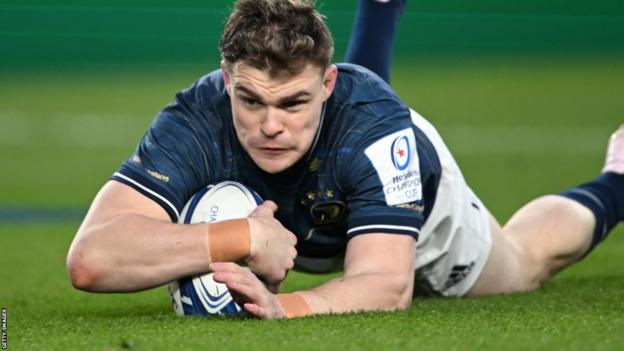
{"points": [[360, 84], [202, 106], [359, 87], [199, 112], [362, 101], [206, 91], [371, 113], [357, 71]]}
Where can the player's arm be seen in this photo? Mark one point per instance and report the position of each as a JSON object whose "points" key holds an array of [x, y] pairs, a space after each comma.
{"points": [[379, 275], [127, 242]]}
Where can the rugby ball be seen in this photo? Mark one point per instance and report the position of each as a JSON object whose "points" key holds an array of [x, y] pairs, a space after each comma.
{"points": [[200, 295]]}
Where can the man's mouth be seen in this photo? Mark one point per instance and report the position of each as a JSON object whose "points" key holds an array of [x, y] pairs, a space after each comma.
{"points": [[272, 151]]}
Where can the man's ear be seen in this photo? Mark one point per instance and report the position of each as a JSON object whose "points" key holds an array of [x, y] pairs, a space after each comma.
{"points": [[225, 69], [329, 81]]}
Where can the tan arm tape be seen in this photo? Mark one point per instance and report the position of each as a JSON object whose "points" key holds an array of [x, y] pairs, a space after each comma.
{"points": [[229, 240], [294, 305]]}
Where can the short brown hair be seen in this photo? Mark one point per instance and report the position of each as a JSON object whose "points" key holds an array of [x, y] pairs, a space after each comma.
{"points": [[276, 35]]}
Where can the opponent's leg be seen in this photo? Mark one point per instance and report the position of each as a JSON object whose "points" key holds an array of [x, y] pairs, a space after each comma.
{"points": [[373, 34], [554, 231]]}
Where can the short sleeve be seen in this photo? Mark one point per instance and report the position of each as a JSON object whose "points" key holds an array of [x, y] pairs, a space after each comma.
{"points": [[170, 163], [385, 185]]}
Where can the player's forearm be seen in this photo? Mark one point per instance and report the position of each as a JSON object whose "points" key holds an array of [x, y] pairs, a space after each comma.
{"points": [[364, 292], [131, 252]]}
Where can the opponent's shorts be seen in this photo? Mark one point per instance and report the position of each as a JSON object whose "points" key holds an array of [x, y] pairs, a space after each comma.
{"points": [[455, 241]]}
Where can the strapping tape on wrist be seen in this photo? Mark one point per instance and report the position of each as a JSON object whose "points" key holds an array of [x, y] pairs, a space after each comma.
{"points": [[294, 305], [229, 240]]}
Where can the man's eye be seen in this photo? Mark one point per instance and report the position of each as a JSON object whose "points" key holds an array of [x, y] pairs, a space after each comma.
{"points": [[250, 102], [293, 105]]}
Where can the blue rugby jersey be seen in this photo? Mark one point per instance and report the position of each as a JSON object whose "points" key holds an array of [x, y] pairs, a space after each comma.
{"points": [[370, 169]]}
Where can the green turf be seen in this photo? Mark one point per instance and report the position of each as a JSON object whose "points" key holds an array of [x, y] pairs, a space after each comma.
{"points": [[519, 127], [581, 309]]}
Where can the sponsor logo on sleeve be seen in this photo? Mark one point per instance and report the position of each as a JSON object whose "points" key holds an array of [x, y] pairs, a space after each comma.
{"points": [[157, 175], [396, 161]]}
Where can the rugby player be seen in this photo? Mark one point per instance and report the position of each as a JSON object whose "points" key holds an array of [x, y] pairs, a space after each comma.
{"points": [[354, 180]]}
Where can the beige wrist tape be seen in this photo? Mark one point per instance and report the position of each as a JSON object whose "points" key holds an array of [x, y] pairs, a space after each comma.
{"points": [[229, 240], [294, 305]]}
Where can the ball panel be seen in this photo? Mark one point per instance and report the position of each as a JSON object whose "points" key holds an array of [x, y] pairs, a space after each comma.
{"points": [[200, 295], [226, 200], [189, 209]]}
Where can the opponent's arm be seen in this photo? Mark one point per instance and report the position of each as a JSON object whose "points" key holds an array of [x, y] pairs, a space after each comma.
{"points": [[379, 275], [128, 243]]}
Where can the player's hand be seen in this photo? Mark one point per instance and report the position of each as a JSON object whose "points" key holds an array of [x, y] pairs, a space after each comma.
{"points": [[274, 288], [247, 290], [272, 250]]}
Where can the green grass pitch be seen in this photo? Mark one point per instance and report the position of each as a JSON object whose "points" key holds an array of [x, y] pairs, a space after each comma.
{"points": [[519, 128]]}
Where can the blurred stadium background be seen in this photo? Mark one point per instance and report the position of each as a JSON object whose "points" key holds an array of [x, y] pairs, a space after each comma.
{"points": [[525, 93], [81, 80]]}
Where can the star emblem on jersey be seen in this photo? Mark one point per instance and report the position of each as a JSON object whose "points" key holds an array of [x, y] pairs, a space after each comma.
{"points": [[400, 152]]}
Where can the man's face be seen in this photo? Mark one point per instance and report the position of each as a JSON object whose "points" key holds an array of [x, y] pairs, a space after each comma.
{"points": [[276, 117]]}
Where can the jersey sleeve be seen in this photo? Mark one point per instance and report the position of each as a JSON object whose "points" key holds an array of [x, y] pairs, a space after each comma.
{"points": [[169, 164], [385, 185]]}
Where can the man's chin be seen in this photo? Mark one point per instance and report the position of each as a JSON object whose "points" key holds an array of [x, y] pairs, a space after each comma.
{"points": [[273, 166]]}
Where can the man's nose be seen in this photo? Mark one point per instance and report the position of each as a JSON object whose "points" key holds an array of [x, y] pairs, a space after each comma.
{"points": [[272, 124]]}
